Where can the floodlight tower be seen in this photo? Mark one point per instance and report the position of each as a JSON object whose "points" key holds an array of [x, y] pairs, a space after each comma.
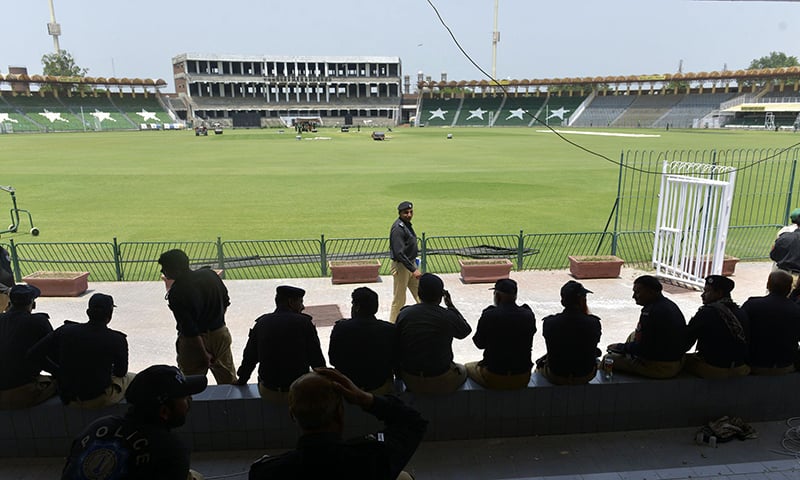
{"points": [[53, 28], [495, 39]]}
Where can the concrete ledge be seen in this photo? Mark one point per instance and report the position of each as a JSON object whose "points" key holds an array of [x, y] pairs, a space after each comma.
{"points": [[227, 417]]}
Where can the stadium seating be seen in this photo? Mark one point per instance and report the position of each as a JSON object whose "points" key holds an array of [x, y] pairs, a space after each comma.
{"points": [[558, 110], [438, 112], [518, 111], [691, 107], [13, 120], [603, 110], [645, 110], [49, 112], [99, 112], [141, 109], [478, 111]]}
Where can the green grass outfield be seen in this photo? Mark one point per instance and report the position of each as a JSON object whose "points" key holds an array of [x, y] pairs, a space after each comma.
{"points": [[261, 184]]}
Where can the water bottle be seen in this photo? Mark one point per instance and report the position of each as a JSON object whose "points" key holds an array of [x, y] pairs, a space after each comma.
{"points": [[608, 369]]}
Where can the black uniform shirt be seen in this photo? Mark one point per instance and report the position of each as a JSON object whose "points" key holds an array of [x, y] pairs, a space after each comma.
{"points": [[774, 330], [326, 455], [571, 338], [661, 332], [117, 447], [363, 348], [19, 331], [198, 300], [715, 341], [86, 355], [425, 335], [285, 344], [505, 332], [403, 244]]}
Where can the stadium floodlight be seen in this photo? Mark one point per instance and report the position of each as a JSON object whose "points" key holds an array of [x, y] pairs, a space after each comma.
{"points": [[54, 28], [495, 39]]}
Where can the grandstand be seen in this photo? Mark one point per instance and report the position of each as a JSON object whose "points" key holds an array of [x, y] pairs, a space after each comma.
{"points": [[249, 91], [682, 100], [238, 91], [691, 107], [67, 104], [46, 112], [645, 110], [603, 111], [478, 112], [518, 111], [559, 110]]}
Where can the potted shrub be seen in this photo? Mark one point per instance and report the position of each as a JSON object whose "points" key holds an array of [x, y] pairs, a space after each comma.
{"points": [[595, 266], [354, 271], [59, 284], [484, 270], [728, 265]]}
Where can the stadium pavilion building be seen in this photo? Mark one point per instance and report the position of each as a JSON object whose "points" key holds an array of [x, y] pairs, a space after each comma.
{"points": [[262, 91]]}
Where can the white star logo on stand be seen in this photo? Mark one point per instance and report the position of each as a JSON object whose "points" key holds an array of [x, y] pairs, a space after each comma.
{"points": [[438, 113], [516, 113], [101, 116], [53, 116], [477, 113], [5, 118], [558, 113], [147, 115]]}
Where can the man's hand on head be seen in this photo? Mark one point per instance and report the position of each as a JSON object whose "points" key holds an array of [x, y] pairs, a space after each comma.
{"points": [[345, 386]]}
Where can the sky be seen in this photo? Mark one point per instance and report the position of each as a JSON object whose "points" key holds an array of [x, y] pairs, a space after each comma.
{"points": [[538, 39]]}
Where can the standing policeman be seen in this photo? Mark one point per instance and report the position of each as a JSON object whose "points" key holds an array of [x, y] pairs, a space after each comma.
{"points": [[404, 251]]}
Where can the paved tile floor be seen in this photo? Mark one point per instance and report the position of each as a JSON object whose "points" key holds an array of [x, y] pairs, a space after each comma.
{"points": [[143, 315], [659, 454]]}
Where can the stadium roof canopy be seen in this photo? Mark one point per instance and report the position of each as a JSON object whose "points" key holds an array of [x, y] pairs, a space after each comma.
{"points": [[98, 81], [788, 73]]}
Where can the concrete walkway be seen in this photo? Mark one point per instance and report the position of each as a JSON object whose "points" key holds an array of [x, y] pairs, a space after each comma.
{"points": [[652, 455], [142, 311]]}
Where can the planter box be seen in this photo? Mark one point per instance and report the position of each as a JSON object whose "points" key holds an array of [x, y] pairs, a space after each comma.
{"points": [[354, 271], [484, 270], [728, 265], [598, 266], [168, 281], [59, 284]]}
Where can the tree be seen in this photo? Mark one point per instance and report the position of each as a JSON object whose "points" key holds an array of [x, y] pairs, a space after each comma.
{"points": [[774, 60], [62, 64]]}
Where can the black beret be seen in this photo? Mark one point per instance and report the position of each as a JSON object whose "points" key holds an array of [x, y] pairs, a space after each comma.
{"points": [[287, 291]]}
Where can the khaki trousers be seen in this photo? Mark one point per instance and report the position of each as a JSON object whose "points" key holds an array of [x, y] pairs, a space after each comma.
{"points": [[274, 396], [494, 381], [218, 344], [28, 395], [447, 382], [771, 370], [4, 301], [112, 396], [403, 279], [561, 380], [696, 365], [643, 367]]}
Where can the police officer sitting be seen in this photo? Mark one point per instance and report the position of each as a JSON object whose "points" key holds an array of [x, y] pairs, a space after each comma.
{"points": [[21, 384], [141, 444], [91, 359], [284, 344]]}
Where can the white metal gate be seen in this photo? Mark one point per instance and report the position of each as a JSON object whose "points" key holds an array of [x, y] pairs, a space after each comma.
{"points": [[692, 225]]}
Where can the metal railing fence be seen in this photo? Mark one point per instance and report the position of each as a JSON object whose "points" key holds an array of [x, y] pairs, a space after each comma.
{"points": [[260, 259], [764, 195]]}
